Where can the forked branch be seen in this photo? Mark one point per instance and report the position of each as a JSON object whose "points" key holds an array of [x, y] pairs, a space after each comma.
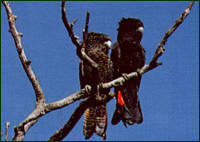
{"points": [[63, 132], [42, 108], [80, 47], [25, 62], [69, 27]]}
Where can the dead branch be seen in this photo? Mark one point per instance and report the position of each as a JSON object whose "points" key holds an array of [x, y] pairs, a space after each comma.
{"points": [[63, 132], [66, 101], [85, 31], [81, 53], [6, 132], [160, 49], [69, 27], [25, 62], [23, 127], [42, 108]]}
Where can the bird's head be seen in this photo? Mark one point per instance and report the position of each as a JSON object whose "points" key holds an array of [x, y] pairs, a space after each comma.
{"points": [[99, 40], [130, 30]]}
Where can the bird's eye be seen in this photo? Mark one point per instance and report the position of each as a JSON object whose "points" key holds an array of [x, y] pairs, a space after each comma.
{"points": [[140, 29], [108, 43]]}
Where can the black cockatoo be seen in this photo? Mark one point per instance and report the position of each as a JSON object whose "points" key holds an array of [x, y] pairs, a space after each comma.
{"points": [[97, 47], [127, 56]]}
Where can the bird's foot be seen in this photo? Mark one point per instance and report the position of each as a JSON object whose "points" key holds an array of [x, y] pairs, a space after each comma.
{"points": [[88, 89], [125, 76]]}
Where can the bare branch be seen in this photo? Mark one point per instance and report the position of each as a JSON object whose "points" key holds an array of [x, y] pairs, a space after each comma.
{"points": [[120, 81], [81, 53], [85, 31], [64, 131], [17, 38], [6, 132], [23, 127], [25, 63], [160, 49], [66, 101], [79, 111], [21, 131], [68, 27], [42, 108]]}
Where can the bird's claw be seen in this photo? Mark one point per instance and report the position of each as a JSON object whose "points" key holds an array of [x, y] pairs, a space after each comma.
{"points": [[125, 76], [88, 89]]}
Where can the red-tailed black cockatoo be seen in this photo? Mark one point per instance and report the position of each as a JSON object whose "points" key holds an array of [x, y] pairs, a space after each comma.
{"points": [[127, 56], [97, 47]]}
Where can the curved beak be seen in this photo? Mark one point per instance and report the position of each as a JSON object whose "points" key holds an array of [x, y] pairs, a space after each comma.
{"points": [[140, 29], [108, 43]]}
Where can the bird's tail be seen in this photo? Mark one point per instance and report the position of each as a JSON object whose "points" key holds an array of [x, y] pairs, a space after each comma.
{"points": [[95, 121], [128, 106], [89, 122]]}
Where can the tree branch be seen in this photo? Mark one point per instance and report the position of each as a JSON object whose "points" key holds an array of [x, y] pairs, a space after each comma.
{"points": [[160, 49], [25, 62], [69, 27], [42, 108], [23, 127], [6, 132], [85, 31], [66, 101], [80, 52], [63, 132]]}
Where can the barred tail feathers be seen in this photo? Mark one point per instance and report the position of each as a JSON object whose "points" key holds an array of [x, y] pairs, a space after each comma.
{"points": [[89, 122], [101, 121]]}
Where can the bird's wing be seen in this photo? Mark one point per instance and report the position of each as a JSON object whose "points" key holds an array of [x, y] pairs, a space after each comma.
{"points": [[115, 57]]}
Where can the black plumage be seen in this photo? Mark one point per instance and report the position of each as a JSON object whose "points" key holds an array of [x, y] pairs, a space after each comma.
{"points": [[97, 46], [127, 56]]}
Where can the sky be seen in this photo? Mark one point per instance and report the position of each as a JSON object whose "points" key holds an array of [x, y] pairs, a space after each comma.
{"points": [[169, 94]]}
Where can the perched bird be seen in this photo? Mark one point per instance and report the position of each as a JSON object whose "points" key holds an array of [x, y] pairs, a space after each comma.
{"points": [[127, 56], [97, 47]]}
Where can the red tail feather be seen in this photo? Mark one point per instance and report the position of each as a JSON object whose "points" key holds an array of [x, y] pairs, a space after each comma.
{"points": [[120, 99]]}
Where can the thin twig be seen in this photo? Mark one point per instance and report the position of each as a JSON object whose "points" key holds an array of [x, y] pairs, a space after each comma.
{"points": [[6, 132], [68, 27], [81, 53], [85, 31], [160, 49]]}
